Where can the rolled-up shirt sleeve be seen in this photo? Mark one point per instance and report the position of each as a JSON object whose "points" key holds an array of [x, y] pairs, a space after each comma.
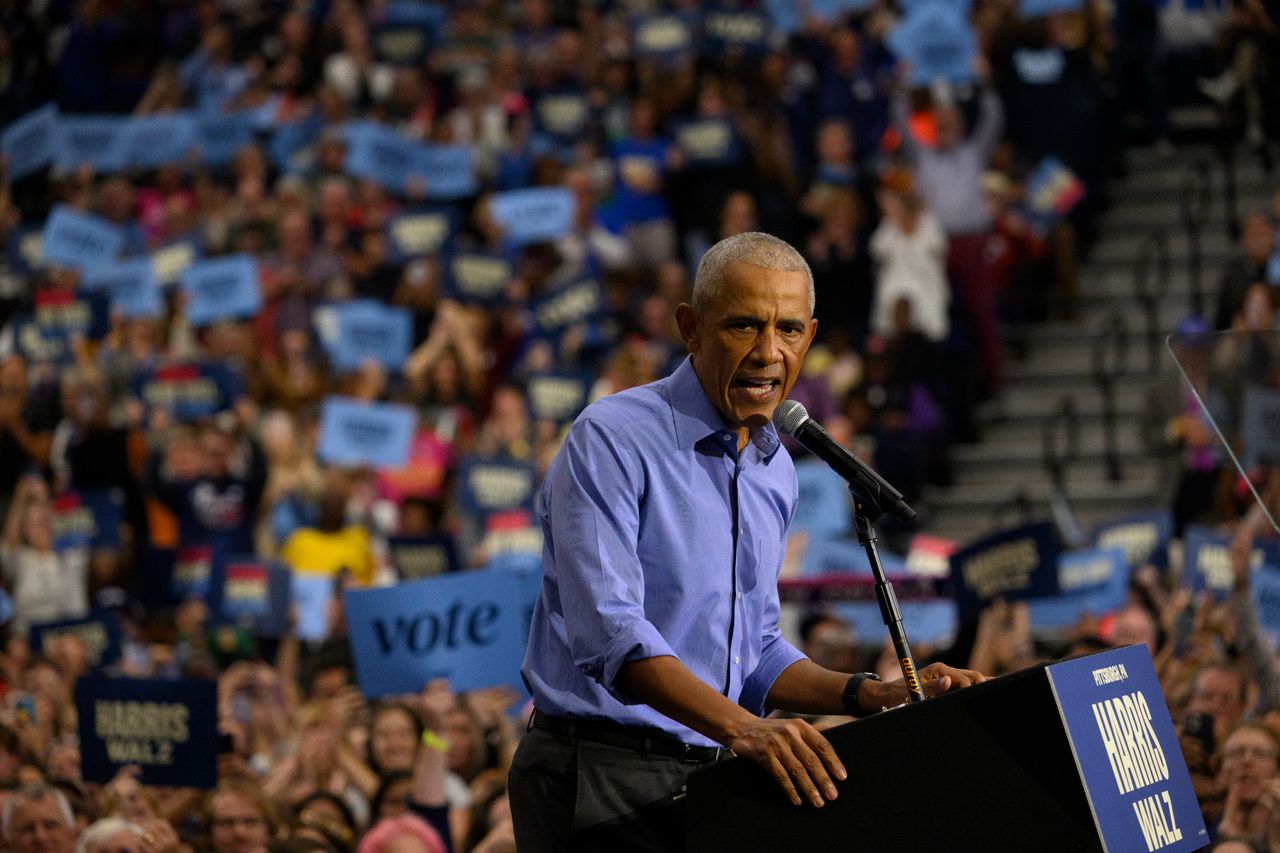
{"points": [[776, 654], [595, 527]]}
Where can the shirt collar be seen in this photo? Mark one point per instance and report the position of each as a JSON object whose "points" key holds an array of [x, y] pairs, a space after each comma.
{"points": [[696, 419]]}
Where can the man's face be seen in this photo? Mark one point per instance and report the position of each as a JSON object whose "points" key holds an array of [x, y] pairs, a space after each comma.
{"points": [[1218, 692], [748, 345], [38, 827], [237, 826]]}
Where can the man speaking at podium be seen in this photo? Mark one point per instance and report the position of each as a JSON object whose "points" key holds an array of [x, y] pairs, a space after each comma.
{"points": [[655, 647]]}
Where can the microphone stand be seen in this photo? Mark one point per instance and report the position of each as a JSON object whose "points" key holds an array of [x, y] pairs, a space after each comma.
{"points": [[866, 512]]}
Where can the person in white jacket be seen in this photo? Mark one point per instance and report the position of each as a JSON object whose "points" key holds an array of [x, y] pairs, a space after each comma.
{"points": [[910, 250]]}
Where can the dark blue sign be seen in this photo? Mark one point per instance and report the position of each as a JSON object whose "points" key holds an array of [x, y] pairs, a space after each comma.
{"points": [[1265, 589], [495, 485], [76, 239], [1144, 536], [563, 115], [417, 557], [1041, 8], [28, 142], [708, 143], [477, 277], [192, 572], [1012, 564], [1127, 751], [255, 593], [189, 392], [222, 288], [374, 434], [165, 728], [1092, 583], [88, 518], [420, 233], [577, 302], [735, 31], [368, 330], [99, 632], [1206, 561], [468, 628], [662, 36], [557, 397]]}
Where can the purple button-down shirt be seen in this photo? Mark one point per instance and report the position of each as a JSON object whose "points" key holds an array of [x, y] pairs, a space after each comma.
{"points": [[660, 539]]}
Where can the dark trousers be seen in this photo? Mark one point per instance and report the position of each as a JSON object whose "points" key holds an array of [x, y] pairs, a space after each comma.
{"points": [[573, 794]]}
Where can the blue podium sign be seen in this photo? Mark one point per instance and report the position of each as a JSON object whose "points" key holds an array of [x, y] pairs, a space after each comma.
{"points": [[1127, 752]]}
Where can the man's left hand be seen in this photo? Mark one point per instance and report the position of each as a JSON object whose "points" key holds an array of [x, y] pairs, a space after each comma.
{"points": [[935, 678]]}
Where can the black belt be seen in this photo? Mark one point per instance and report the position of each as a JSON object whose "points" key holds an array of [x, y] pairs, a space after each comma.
{"points": [[636, 738]]}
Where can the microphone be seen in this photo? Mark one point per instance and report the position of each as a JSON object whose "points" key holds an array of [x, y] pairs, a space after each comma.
{"points": [[791, 419]]}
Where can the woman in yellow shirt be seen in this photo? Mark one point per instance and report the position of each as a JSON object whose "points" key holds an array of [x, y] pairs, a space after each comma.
{"points": [[330, 546]]}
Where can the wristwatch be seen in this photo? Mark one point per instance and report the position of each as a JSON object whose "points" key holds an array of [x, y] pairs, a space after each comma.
{"points": [[850, 695]]}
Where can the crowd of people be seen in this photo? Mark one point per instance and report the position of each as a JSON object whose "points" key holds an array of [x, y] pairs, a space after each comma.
{"points": [[909, 202]]}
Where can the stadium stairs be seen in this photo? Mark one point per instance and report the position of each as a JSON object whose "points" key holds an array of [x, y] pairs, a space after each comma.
{"points": [[1005, 477]]}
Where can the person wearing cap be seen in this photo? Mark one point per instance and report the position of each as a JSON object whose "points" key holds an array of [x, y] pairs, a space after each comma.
{"points": [[655, 645]]}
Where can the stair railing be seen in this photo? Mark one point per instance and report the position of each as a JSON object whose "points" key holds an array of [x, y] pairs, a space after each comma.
{"points": [[1195, 201], [1110, 359], [1152, 274]]}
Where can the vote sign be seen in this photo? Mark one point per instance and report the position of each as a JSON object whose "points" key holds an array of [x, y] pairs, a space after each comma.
{"points": [[166, 728], [1127, 752], [468, 628]]}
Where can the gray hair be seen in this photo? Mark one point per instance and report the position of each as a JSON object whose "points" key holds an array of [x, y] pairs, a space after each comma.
{"points": [[754, 248], [34, 794], [99, 831]]}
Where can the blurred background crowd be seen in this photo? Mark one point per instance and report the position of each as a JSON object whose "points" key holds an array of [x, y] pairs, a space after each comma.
{"points": [[671, 125]]}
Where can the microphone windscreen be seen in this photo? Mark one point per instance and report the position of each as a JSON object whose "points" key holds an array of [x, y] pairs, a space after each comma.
{"points": [[789, 416]]}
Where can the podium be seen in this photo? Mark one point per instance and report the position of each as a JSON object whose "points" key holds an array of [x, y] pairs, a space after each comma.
{"points": [[1079, 755]]}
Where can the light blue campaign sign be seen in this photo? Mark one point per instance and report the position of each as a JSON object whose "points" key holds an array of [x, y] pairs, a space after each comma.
{"points": [[395, 162], [468, 628], [1093, 582], [1143, 536], [1127, 752], [158, 140], [76, 239], [577, 302], [221, 136], [131, 286], [311, 595], [1041, 8], [376, 435], [534, 215], [925, 622], [367, 330], [28, 142], [830, 10], [221, 289], [785, 16], [938, 42], [97, 141], [557, 397], [825, 506]]}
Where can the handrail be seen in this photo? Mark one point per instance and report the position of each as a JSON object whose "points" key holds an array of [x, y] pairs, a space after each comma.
{"points": [[1154, 254], [1064, 421], [1110, 360], [1194, 203]]}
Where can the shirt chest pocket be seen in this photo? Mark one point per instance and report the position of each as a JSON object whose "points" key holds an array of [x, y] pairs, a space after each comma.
{"points": [[762, 567]]}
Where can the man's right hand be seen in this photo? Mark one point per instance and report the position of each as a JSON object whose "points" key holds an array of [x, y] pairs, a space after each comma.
{"points": [[796, 754]]}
